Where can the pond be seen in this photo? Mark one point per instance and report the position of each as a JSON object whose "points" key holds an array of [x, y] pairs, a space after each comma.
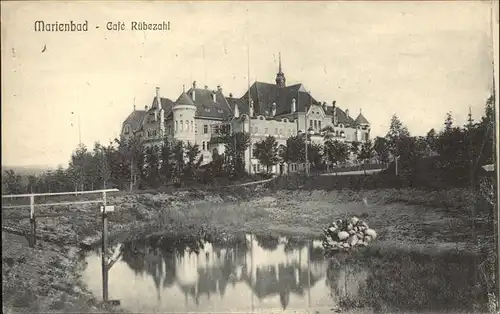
{"points": [[254, 273]]}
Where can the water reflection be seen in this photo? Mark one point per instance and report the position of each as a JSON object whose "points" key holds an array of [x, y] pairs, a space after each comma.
{"points": [[166, 274], [253, 271]]}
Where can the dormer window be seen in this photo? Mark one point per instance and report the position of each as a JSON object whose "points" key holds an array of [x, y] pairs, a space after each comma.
{"points": [[207, 109], [341, 126], [127, 129], [221, 111]]}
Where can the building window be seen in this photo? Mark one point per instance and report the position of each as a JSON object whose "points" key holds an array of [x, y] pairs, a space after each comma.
{"points": [[204, 146], [319, 125], [182, 126], [205, 129], [196, 128], [127, 130], [310, 123], [315, 124], [176, 126], [187, 125], [208, 145], [207, 109], [192, 128], [221, 111]]}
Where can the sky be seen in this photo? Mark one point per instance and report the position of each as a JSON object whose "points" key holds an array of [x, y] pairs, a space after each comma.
{"points": [[418, 60]]}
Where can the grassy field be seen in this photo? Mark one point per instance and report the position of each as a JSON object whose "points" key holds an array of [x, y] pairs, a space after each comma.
{"points": [[46, 278]]}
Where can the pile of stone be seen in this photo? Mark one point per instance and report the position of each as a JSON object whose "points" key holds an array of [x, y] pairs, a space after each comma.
{"points": [[346, 234]]}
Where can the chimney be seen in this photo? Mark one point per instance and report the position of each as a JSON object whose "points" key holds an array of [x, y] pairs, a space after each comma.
{"points": [[230, 95], [236, 111], [219, 88], [193, 95], [324, 106], [347, 112], [334, 112], [194, 84], [146, 108], [214, 96], [294, 106], [206, 87], [158, 99], [273, 109], [250, 109]]}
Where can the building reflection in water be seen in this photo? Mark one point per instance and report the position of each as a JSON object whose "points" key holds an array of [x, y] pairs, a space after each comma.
{"points": [[269, 272], [270, 267]]}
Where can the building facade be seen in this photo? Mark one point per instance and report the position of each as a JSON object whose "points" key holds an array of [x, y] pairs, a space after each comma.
{"points": [[265, 109]]}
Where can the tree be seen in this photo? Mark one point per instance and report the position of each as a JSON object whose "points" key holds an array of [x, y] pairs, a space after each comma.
{"points": [[32, 184], [235, 145], [133, 158], [79, 166], [216, 166], [431, 139], [365, 153], [11, 182], [355, 148], [397, 132], [381, 149], [282, 153], [266, 151], [336, 151], [178, 160], [102, 156], [167, 165], [315, 153], [152, 167], [448, 122], [193, 160], [328, 133], [295, 149]]}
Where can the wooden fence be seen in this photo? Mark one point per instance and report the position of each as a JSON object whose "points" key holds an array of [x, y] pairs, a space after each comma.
{"points": [[104, 209]]}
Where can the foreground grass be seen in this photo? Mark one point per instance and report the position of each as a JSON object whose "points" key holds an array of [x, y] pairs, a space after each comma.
{"points": [[46, 278]]}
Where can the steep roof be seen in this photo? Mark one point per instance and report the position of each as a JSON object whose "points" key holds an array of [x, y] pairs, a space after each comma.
{"points": [[207, 107], [166, 104], [265, 94], [242, 105], [184, 100], [134, 119], [343, 118], [361, 120]]}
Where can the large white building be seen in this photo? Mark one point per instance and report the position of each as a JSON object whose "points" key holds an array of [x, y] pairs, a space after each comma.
{"points": [[265, 109]]}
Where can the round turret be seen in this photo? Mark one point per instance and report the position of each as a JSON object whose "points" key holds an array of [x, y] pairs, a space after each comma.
{"points": [[184, 111]]}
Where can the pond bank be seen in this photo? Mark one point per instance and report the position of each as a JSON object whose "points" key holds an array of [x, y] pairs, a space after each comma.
{"points": [[36, 279]]}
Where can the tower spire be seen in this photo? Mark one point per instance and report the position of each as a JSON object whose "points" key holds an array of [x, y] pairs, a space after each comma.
{"points": [[279, 58], [280, 76]]}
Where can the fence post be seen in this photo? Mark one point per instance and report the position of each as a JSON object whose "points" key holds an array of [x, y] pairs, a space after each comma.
{"points": [[104, 251], [32, 220]]}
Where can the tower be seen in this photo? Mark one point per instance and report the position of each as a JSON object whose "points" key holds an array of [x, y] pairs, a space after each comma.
{"points": [[280, 76], [184, 111]]}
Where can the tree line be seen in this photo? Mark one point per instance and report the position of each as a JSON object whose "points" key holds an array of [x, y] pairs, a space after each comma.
{"points": [[457, 152]]}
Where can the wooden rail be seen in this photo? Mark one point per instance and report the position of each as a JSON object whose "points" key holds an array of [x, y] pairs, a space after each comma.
{"points": [[106, 264]]}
